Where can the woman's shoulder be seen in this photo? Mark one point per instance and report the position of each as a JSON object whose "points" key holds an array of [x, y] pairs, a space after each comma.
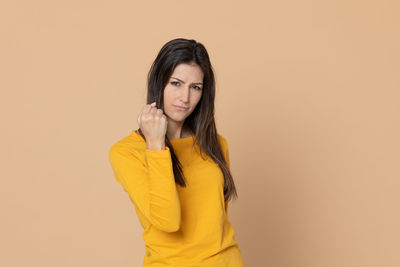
{"points": [[132, 142], [221, 137], [222, 140]]}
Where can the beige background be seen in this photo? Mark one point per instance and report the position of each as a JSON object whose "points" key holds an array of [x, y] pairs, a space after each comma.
{"points": [[307, 97]]}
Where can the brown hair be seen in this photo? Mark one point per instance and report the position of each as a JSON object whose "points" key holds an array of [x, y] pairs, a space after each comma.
{"points": [[201, 121]]}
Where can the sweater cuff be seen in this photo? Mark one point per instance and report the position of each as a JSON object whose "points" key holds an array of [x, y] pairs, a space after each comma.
{"points": [[158, 153]]}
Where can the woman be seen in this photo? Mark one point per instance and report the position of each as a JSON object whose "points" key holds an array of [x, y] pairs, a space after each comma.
{"points": [[175, 167]]}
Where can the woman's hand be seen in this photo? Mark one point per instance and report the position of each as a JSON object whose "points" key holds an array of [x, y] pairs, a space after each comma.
{"points": [[153, 124]]}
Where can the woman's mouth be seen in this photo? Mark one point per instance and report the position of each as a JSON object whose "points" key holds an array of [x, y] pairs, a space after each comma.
{"points": [[181, 108]]}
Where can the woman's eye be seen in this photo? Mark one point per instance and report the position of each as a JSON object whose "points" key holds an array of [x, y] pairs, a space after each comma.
{"points": [[177, 84]]}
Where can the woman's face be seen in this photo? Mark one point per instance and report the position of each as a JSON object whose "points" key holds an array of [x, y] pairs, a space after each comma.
{"points": [[184, 89]]}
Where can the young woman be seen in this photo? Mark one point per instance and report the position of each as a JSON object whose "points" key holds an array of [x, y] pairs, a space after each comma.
{"points": [[175, 166]]}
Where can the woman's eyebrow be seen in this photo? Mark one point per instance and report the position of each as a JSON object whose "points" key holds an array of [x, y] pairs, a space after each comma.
{"points": [[184, 82]]}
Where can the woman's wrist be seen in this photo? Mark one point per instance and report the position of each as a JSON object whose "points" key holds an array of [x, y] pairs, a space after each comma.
{"points": [[157, 145]]}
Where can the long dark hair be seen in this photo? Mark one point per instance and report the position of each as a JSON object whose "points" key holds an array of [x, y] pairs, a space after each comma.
{"points": [[201, 121]]}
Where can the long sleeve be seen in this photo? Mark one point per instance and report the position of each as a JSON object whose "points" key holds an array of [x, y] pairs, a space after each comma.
{"points": [[149, 181]]}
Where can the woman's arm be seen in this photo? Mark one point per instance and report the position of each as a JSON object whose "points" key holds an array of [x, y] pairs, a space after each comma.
{"points": [[150, 183]]}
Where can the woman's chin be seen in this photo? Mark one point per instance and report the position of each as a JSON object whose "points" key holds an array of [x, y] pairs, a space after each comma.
{"points": [[177, 118]]}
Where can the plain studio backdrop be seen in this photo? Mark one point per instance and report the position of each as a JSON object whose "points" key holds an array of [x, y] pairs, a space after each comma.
{"points": [[307, 98]]}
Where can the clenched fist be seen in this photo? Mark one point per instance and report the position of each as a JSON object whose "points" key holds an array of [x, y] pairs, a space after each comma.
{"points": [[153, 124]]}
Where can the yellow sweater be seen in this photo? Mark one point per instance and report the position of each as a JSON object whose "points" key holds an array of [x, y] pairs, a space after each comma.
{"points": [[183, 226]]}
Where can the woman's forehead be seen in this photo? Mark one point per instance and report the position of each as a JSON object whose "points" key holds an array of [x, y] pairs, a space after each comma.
{"points": [[188, 72]]}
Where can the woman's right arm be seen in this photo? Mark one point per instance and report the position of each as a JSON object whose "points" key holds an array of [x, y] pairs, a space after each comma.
{"points": [[149, 181]]}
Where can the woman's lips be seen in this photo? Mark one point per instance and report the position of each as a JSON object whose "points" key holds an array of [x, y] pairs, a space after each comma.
{"points": [[181, 108]]}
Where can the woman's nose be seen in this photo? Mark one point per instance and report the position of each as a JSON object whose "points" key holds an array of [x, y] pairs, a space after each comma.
{"points": [[185, 95]]}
